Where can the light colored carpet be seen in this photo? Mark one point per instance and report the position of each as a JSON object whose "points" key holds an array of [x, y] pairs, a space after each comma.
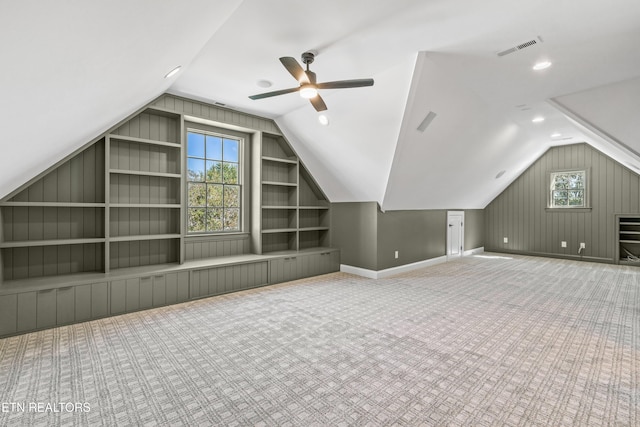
{"points": [[515, 341]]}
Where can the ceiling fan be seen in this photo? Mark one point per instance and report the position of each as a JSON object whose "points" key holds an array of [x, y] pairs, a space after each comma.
{"points": [[308, 86]]}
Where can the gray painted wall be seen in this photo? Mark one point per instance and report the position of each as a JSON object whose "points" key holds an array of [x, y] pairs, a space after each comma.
{"points": [[520, 212], [354, 231], [368, 238]]}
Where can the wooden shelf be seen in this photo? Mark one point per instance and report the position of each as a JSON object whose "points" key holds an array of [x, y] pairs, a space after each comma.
{"points": [[314, 228], [280, 207], [279, 230], [144, 141], [145, 173], [148, 205], [138, 238], [53, 204], [630, 241], [314, 207], [56, 242], [283, 184], [292, 160]]}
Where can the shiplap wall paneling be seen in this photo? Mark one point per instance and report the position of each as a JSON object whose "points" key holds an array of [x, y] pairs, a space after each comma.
{"points": [[154, 125], [78, 180], [214, 113], [275, 242], [520, 212], [8, 314], [144, 157], [216, 247], [135, 189], [279, 195], [140, 253], [39, 261], [159, 290], [118, 297], [280, 171], [146, 293], [313, 238], [279, 219], [143, 221]]}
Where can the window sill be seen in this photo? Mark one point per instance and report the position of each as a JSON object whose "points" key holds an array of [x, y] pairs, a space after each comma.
{"points": [[567, 209]]}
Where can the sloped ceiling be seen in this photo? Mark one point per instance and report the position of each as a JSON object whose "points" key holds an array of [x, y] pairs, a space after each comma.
{"points": [[76, 68]]}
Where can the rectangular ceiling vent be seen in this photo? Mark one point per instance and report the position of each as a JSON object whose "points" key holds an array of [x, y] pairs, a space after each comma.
{"points": [[521, 46], [426, 121]]}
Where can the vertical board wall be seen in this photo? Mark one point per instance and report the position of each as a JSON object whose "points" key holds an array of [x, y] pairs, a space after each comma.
{"points": [[520, 213]]}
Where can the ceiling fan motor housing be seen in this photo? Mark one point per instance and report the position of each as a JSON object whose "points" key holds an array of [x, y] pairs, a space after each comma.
{"points": [[308, 57]]}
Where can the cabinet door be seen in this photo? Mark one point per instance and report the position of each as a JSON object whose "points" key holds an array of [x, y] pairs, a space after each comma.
{"points": [[46, 309], [26, 311], [82, 303], [8, 314], [65, 305], [146, 292], [276, 270], [133, 294], [100, 300], [183, 286], [159, 291], [118, 296], [334, 262]]}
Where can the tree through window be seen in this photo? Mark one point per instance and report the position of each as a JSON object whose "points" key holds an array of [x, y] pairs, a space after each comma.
{"points": [[213, 183], [568, 189]]}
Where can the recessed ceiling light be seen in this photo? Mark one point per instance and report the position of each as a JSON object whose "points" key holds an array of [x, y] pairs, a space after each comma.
{"points": [[173, 72], [556, 135], [542, 65], [538, 119], [324, 120], [264, 83]]}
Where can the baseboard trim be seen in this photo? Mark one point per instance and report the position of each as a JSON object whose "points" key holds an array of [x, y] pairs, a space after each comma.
{"points": [[388, 272]]}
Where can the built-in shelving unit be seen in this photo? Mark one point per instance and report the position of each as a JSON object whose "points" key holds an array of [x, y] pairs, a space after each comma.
{"points": [[145, 191], [102, 232], [293, 212], [628, 232]]}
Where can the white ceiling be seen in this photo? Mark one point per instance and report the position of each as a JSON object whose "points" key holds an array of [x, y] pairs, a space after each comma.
{"points": [[73, 69]]}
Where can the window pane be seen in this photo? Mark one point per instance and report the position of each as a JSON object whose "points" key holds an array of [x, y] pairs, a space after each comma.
{"points": [[196, 196], [195, 169], [576, 198], [214, 195], [232, 219], [214, 171], [214, 147], [196, 220], [560, 198], [231, 196], [195, 145], [560, 182], [230, 171], [214, 219], [230, 150], [576, 181]]}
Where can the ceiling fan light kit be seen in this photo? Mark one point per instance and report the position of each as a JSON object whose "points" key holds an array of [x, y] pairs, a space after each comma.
{"points": [[308, 84]]}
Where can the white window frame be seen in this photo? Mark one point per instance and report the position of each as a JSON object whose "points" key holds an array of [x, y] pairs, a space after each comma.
{"points": [[241, 166], [552, 180]]}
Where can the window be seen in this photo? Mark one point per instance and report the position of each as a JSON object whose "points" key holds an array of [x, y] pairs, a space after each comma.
{"points": [[213, 183], [568, 189]]}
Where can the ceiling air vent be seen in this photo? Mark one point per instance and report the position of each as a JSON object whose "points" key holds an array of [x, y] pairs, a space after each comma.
{"points": [[426, 121], [521, 46]]}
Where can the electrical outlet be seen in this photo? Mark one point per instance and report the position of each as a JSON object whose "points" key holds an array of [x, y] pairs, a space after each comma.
{"points": [[505, 239], [563, 244], [396, 254], [583, 245]]}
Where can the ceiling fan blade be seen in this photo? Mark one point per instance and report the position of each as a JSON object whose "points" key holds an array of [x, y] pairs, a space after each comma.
{"points": [[318, 103], [295, 69], [345, 84], [274, 93]]}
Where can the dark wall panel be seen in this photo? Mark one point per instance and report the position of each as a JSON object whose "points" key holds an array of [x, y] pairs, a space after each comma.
{"points": [[520, 213]]}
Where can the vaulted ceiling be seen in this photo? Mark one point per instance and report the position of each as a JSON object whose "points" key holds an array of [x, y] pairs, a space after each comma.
{"points": [[73, 69]]}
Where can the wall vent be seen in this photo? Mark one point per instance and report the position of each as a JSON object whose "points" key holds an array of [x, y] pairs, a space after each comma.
{"points": [[426, 121], [521, 46]]}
